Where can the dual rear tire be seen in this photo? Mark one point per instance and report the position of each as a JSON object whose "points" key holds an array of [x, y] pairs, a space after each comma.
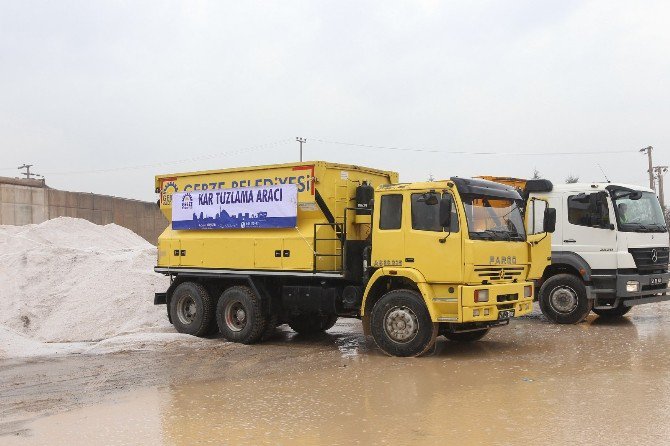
{"points": [[238, 315]]}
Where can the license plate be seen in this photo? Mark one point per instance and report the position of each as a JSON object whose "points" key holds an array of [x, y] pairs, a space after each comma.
{"points": [[656, 280], [505, 314]]}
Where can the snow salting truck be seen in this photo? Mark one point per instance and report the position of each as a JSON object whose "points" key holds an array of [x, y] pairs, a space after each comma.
{"points": [[609, 252], [303, 244]]}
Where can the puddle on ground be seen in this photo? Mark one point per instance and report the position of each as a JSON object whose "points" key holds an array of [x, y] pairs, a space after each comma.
{"points": [[533, 382]]}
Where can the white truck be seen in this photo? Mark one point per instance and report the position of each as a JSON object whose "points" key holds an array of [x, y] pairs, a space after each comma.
{"points": [[609, 251]]}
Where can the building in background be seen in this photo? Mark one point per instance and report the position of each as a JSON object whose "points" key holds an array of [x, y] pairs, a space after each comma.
{"points": [[27, 201]]}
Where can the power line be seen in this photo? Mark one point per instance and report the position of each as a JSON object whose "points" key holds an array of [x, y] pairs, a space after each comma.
{"points": [[464, 152], [186, 160]]}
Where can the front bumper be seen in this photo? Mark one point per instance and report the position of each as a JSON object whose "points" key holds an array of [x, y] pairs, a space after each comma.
{"points": [[502, 298], [614, 287], [653, 288]]}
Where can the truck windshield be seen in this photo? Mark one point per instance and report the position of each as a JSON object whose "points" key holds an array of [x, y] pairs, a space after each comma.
{"points": [[638, 211], [493, 218]]}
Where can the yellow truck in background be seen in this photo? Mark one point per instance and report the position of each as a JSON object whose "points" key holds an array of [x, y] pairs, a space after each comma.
{"points": [[305, 243]]}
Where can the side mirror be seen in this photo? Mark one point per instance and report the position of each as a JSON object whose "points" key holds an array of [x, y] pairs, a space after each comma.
{"points": [[582, 198], [549, 222], [430, 199], [445, 212]]}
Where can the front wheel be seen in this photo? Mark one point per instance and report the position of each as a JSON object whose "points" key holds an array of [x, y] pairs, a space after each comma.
{"points": [[608, 313], [466, 336], [401, 325], [563, 299]]}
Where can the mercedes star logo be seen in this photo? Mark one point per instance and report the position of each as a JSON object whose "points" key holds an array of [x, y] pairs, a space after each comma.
{"points": [[654, 256]]}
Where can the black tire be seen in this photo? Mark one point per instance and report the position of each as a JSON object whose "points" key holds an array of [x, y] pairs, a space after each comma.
{"points": [[329, 322], [401, 325], [614, 312], [563, 299], [239, 315], [466, 336], [191, 309], [309, 323], [270, 328]]}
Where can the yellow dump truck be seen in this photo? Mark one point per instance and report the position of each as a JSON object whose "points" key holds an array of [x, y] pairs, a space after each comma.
{"points": [[305, 243]]}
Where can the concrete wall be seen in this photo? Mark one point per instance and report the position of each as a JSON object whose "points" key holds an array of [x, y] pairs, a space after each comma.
{"points": [[24, 202]]}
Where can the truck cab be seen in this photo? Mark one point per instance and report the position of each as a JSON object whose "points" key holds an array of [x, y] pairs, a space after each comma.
{"points": [[609, 251], [458, 249]]}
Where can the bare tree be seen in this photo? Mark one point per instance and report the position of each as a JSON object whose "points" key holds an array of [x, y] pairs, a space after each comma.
{"points": [[431, 177], [536, 174], [571, 179]]}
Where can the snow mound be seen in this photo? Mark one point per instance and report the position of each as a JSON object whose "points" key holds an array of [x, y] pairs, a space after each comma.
{"points": [[70, 281]]}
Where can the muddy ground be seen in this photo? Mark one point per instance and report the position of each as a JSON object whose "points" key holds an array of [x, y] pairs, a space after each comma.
{"points": [[596, 383]]}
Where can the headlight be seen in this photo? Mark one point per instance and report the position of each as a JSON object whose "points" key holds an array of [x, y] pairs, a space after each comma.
{"points": [[632, 286], [527, 291], [481, 295]]}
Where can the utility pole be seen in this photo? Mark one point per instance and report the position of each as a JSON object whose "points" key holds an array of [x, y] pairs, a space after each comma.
{"points": [[660, 171], [28, 174], [652, 185], [301, 141]]}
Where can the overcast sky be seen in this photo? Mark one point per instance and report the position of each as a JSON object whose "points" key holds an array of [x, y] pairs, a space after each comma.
{"points": [[88, 86]]}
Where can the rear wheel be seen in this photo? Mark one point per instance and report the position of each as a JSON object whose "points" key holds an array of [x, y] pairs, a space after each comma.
{"points": [[239, 315], [613, 312], [466, 336], [191, 309], [563, 299], [306, 323], [401, 325]]}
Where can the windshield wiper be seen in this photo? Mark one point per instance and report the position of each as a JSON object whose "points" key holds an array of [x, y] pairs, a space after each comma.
{"points": [[481, 235], [506, 235], [639, 225], [663, 228]]}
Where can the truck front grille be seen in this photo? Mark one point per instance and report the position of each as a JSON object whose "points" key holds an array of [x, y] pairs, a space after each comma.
{"points": [[497, 273], [651, 260]]}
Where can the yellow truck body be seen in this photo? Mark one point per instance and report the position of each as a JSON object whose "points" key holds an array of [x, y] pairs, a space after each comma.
{"points": [[328, 185], [410, 260]]}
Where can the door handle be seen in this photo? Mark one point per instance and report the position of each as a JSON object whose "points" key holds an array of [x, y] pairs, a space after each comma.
{"points": [[570, 240]]}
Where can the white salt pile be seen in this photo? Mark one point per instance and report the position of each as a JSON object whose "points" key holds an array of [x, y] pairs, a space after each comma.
{"points": [[68, 285]]}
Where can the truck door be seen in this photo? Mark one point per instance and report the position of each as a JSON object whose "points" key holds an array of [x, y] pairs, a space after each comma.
{"points": [[388, 246], [539, 242], [433, 250], [589, 231]]}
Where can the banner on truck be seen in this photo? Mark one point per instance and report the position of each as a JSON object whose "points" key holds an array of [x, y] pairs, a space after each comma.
{"points": [[239, 208]]}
